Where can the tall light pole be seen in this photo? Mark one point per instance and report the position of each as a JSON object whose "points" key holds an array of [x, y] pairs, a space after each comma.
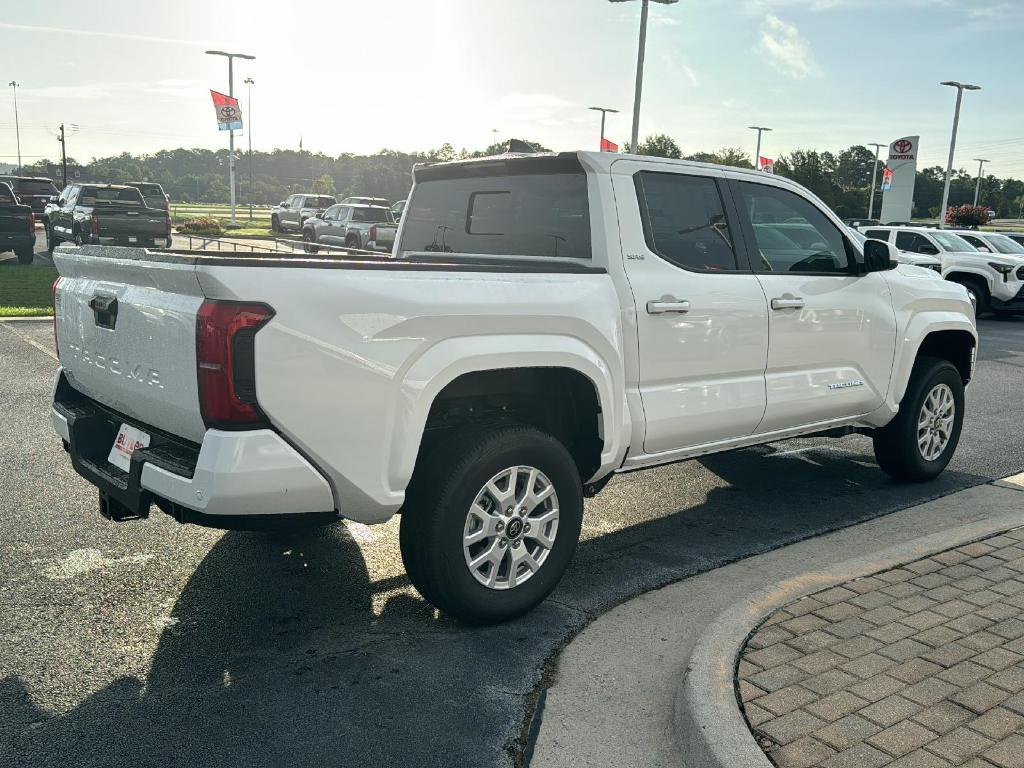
{"points": [[977, 187], [757, 153], [634, 135], [874, 177], [231, 140], [249, 83], [603, 111], [960, 88], [17, 127]]}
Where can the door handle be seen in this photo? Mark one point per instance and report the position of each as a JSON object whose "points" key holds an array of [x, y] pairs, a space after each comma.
{"points": [[788, 302], [667, 304]]}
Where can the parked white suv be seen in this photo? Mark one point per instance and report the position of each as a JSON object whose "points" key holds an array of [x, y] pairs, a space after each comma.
{"points": [[546, 322], [994, 280], [903, 257]]}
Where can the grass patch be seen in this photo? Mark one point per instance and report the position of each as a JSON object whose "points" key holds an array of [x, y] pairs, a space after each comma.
{"points": [[25, 290]]}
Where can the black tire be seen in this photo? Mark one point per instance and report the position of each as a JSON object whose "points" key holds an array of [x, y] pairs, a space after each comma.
{"points": [[896, 444], [51, 241], [275, 224], [977, 287], [352, 242], [79, 240], [309, 242], [25, 255], [448, 478]]}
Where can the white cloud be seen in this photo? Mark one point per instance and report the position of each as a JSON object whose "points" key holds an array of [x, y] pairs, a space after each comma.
{"points": [[786, 48]]}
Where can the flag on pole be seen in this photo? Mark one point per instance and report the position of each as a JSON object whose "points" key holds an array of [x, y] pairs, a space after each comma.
{"points": [[886, 179], [229, 114], [608, 146], [766, 164]]}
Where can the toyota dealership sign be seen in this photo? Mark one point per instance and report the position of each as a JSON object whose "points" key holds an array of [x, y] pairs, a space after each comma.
{"points": [[898, 179]]}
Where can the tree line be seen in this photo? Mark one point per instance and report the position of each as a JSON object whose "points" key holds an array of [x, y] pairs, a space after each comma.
{"points": [[842, 180]]}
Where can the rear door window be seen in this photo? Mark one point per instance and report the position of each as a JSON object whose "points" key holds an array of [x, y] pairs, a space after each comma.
{"points": [[684, 221], [487, 210], [914, 243]]}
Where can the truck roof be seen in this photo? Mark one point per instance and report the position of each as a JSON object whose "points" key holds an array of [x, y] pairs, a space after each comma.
{"points": [[26, 178]]}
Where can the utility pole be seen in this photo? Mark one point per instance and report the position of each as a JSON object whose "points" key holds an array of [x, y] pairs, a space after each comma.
{"points": [[960, 88], [757, 152], [634, 136], [874, 177], [17, 126], [63, 154], [603, 111], [231, 140], [249, 82], [977, 187]]}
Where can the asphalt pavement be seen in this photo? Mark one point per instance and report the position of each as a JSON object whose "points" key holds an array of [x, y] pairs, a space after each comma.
{"points": [[155, 644]]}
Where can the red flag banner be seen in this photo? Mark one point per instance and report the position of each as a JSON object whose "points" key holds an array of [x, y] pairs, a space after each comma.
{"points": [[608, 146], [886, 179], [766, 164], [229, 114]]}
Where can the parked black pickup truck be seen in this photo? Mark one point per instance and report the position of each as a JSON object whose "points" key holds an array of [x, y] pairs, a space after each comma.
{"points": [[17, 226], [33, 191], [107, 214]]}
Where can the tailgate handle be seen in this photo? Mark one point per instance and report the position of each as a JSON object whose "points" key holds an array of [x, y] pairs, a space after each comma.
{"points": [[104, 309]]}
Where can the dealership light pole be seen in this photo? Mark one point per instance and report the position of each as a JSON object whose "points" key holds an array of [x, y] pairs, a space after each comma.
{"points": [[249, 82], [17, 127], [977, 187], [874, 177], [231, 140], [603, 111], [757, 153], [634, 135], [960, 88]]}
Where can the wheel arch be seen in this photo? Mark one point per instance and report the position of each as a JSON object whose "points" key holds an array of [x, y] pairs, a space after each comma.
{"points": [[955, 342], [468, 374]]}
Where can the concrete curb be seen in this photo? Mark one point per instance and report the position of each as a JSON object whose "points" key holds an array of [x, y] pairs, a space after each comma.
{"points": [[711, 730]]}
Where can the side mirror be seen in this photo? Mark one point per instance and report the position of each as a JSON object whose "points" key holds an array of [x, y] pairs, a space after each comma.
{"points": [[928, 250], [983, 248], [318, 215], [878, 256], [283, 204], [61, 202]]}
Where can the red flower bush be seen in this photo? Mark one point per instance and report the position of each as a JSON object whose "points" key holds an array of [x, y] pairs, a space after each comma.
{"points": [[967, 215]]}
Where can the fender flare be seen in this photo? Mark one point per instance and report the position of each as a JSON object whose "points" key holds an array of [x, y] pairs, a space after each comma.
{"points": [[919, 328], [973, 271], [444, 362]]}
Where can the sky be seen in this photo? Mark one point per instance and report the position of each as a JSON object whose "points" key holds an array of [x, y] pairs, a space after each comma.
{"points": [[362, 75]]}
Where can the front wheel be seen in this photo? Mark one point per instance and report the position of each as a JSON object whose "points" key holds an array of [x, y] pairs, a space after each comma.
{"points": [[309, 242], [977, 290], [918, 444], [275, 224], [491, 521]]}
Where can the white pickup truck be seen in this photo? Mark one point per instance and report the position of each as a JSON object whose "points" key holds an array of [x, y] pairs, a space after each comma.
{"points": [[545, 322]]}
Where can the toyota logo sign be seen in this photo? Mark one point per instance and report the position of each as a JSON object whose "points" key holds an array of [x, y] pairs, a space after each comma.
{"points": [[903, 146]]}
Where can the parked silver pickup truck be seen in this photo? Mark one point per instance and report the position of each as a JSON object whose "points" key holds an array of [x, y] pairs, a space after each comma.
{"points": [[292, 213], [369, 227]]}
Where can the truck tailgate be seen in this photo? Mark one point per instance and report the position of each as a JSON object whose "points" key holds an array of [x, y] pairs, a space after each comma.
{"points": [[126, 331], [121, 222]]}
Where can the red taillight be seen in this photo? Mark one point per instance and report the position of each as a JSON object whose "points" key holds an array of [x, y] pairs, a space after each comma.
{"points": [[225, 362], [31, 222], [94, 225], [53, 296]]}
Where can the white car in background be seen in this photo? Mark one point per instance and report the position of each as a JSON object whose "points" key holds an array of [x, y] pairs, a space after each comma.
{"points": [[990, 242], [903, 257], [995, 281]]}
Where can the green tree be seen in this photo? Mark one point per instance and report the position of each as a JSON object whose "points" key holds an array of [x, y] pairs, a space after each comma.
{"points": [[659, 145], [324, 185], [854, 167]]}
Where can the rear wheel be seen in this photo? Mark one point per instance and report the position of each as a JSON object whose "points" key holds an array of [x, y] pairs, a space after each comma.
{"points": [[491, 522], [352, 241], [275, 224], [78, 237], [918, 444], [25, 255]]}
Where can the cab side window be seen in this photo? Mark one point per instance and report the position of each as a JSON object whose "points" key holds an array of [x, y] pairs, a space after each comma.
{"points": [[975, 241], [877, 234], [684, 221], [792, 234], [915, 243]]}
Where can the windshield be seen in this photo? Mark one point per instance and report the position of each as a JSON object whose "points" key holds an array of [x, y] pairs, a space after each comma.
{"points": [[6, 198], [319, 202], [1003, 244], [951, 242]]}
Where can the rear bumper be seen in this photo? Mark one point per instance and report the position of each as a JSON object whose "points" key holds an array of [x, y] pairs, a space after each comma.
{"points": [[231, 480], [139, 241]]}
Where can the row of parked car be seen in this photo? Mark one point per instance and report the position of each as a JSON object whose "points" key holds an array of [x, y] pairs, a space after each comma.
{"points": [[367, 223], [990, 265]]}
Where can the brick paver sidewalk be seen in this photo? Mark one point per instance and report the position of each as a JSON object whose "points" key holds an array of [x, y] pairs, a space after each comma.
{"points": [[921, 666]]}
